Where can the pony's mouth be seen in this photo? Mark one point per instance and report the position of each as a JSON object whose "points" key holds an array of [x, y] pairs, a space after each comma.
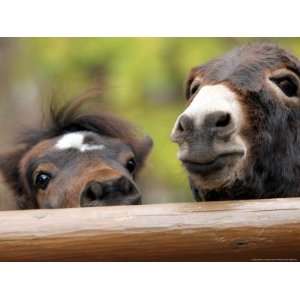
{"points": [[212, 166]]}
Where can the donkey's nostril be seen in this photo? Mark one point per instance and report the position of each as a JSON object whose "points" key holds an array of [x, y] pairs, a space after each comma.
{"points": [[185, 124], [218, 120], [180, 127], [223, 120]]}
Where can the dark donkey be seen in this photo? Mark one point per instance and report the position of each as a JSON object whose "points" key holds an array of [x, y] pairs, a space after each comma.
{"points": [[76, 159], [239, 137]]}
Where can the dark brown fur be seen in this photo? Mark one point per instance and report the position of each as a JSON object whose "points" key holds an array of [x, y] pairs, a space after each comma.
{"points": [[272, 123]]}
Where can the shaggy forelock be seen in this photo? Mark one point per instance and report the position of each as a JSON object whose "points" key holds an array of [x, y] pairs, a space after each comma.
{"points": [[71, 117]]}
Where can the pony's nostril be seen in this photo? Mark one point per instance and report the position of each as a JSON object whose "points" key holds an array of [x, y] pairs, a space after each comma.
{"points": [[223, 120], [94, 191], [125, 185], [110, 191]]}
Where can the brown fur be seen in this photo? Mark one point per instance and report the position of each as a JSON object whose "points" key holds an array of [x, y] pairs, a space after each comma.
{"points": [[72, 171]]}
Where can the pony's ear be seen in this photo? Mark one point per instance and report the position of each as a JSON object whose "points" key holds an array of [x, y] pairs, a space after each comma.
{"points": [[9, 168], [142, 149]]}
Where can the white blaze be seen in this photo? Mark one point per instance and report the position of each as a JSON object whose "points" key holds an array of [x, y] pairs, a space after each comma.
{"points": [[75, 141], [212, 98]]}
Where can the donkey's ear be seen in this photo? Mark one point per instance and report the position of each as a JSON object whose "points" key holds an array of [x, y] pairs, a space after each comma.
{"points": [[9, 168], [142, 150]]}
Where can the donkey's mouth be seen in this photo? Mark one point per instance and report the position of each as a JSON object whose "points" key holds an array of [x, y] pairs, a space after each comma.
{"points": [[212, 166]]}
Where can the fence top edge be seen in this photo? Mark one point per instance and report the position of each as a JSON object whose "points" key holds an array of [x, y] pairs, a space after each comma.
{"points": [[157, 209]]}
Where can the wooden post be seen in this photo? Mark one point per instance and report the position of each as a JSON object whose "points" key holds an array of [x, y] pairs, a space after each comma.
{"points": [[218, 231]]}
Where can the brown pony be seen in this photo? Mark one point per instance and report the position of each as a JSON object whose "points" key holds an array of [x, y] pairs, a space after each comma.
{"points": [[76, 159], [239, 136]]}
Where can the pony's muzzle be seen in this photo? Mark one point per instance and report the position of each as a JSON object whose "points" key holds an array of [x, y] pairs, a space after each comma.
{"points": [[121, 190]]}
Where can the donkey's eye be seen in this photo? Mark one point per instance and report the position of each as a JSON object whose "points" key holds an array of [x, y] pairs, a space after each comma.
{"points": [[42, 180], [194, 88], [131, 165], [288, 85]]}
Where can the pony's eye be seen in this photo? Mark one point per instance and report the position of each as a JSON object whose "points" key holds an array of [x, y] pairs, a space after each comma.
{"points": [[42, 180], [194, 88], [131, 165], [288, 85]]}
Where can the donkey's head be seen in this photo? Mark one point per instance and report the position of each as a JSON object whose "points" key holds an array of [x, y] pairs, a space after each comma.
{"points": [[239, 136], [76, 159]]}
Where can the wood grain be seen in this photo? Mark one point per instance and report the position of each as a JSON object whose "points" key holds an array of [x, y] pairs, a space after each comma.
{"points": [[218, 231]]}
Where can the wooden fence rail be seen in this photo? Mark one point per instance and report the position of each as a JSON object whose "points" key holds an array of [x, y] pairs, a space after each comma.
{"points": [[218, 231]]}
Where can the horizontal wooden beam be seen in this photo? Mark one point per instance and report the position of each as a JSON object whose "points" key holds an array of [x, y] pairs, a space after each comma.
{"points": [[216, 231]]}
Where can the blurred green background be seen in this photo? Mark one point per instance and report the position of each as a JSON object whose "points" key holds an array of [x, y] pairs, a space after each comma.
{"points": [[142, 80]]}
